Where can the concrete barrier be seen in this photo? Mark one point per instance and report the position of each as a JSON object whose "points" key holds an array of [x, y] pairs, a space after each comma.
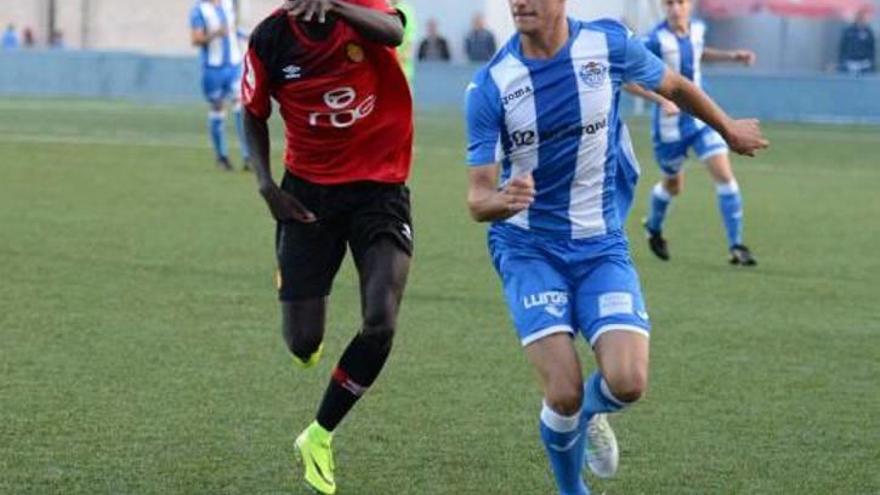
{"points": [[150, 78]]}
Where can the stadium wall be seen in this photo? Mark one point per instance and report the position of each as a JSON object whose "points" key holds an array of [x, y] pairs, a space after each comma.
{"points": [[164, 79]]}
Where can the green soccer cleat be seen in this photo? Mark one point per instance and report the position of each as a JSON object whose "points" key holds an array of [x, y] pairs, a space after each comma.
{"points": [[313, 359], [314, 452]]}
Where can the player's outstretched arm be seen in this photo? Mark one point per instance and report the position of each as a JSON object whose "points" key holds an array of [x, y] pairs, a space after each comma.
{"points": [[488, 204], [745, 57], [283, 206], [669, 108], [743, 136]]}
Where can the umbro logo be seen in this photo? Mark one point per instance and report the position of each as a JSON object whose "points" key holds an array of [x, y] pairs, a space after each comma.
{"points": [[292, 72]]}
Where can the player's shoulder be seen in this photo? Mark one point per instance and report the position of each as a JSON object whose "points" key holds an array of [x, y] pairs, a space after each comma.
{"points": [[268, 30], [482, 86], [195, 9], [605, 25], [698, 26], [484, 76]]}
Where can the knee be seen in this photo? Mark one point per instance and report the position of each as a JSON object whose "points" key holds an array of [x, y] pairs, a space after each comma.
{"points": [[300, 342], [629, 385], [566, 399], [674, 186], [379, 327]]}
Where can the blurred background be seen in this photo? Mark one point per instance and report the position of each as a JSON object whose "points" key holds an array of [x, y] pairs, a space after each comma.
{"points": [[139, 342], [104, 48]]}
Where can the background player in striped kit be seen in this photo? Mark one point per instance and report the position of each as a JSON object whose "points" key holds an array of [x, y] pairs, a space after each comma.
{"points": [[543, 122], [214, 28], [679, 41]]}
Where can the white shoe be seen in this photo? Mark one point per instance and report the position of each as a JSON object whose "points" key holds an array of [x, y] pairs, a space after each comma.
{"points": [[602, 453]]}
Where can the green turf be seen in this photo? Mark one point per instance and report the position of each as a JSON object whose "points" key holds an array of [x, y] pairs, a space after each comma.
{"points": [[140, 350]]}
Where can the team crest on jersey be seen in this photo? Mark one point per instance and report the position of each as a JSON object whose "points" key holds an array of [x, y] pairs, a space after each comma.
{"points": [[354, 52], [593, 74]]}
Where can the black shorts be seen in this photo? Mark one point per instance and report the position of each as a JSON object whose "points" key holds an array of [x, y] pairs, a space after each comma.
{"points": [[354, 215]]}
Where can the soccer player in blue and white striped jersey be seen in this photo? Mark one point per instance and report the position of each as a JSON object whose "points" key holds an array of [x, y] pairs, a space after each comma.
{"points": [[551, 167], [214, 28], [680, 42]]}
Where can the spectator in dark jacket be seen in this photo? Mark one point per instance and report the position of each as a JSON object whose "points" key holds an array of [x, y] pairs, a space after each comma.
{"points": [[857, 55], [480, 42], [434, 48]]}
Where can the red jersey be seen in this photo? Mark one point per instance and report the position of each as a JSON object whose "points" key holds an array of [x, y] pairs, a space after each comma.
{"points": [[346, 104]]}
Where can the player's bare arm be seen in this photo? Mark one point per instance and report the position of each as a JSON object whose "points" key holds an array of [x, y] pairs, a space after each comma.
{"points": [[487, 203], [283, 205], [376, 25], [200, 37], [745, 57], [669, 108], [743, 136]]}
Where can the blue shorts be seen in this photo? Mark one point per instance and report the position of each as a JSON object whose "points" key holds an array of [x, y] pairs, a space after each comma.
{"points": [[706, 143], [220, 83], [563, 285]]}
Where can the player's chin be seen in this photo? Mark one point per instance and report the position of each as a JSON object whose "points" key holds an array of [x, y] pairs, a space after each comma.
{"points": [[526, 24]]}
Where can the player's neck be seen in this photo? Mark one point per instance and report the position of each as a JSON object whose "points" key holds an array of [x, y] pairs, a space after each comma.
{"points": [[682, 28], [317, 31], [546, 44]]}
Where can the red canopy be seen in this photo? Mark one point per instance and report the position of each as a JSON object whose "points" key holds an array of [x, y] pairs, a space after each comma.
{"points": [[845, 9], [721, 9]]}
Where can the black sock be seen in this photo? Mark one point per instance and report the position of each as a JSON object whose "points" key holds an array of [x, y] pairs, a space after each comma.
{"points": [[356, 371]]}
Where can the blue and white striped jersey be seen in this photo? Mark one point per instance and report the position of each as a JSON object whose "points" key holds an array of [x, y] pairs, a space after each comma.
{"points": [[559, 120], [209, 16], [682, 54]]}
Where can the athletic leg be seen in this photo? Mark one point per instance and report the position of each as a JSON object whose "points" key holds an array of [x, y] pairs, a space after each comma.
{"points": [[538, 298], [302, 326], [383, 270], [235, 84], [217, 131], [239, 127], [670, 157], [730, 203], [612, 314], [559, 373]]}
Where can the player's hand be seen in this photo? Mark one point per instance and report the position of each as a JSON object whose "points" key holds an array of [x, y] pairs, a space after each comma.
{"points": [[307, 10], [220, 33], [285, 207], [670, 108], [745, 138], [518, 194], [745, 57]]}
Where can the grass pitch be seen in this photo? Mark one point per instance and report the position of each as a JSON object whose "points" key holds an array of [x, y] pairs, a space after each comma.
{"points": [[140, 350]]}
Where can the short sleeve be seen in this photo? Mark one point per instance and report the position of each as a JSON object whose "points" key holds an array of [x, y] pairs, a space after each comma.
{"points": [[255, 92], [652, 43], [641, 66], [483, 126], [196, 21]]}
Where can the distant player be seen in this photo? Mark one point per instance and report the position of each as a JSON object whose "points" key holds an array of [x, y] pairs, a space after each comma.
{"points": [[679, 41], [551, 166], [348, 117], [214, 28]]}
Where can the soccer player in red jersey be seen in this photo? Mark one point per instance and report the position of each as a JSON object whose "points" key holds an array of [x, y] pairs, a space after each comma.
{"points": [[347, 109]]}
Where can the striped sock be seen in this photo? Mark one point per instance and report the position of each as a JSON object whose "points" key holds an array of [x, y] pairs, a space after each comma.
{"points": [[564, 444], [660, 200], [730, 204]]}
